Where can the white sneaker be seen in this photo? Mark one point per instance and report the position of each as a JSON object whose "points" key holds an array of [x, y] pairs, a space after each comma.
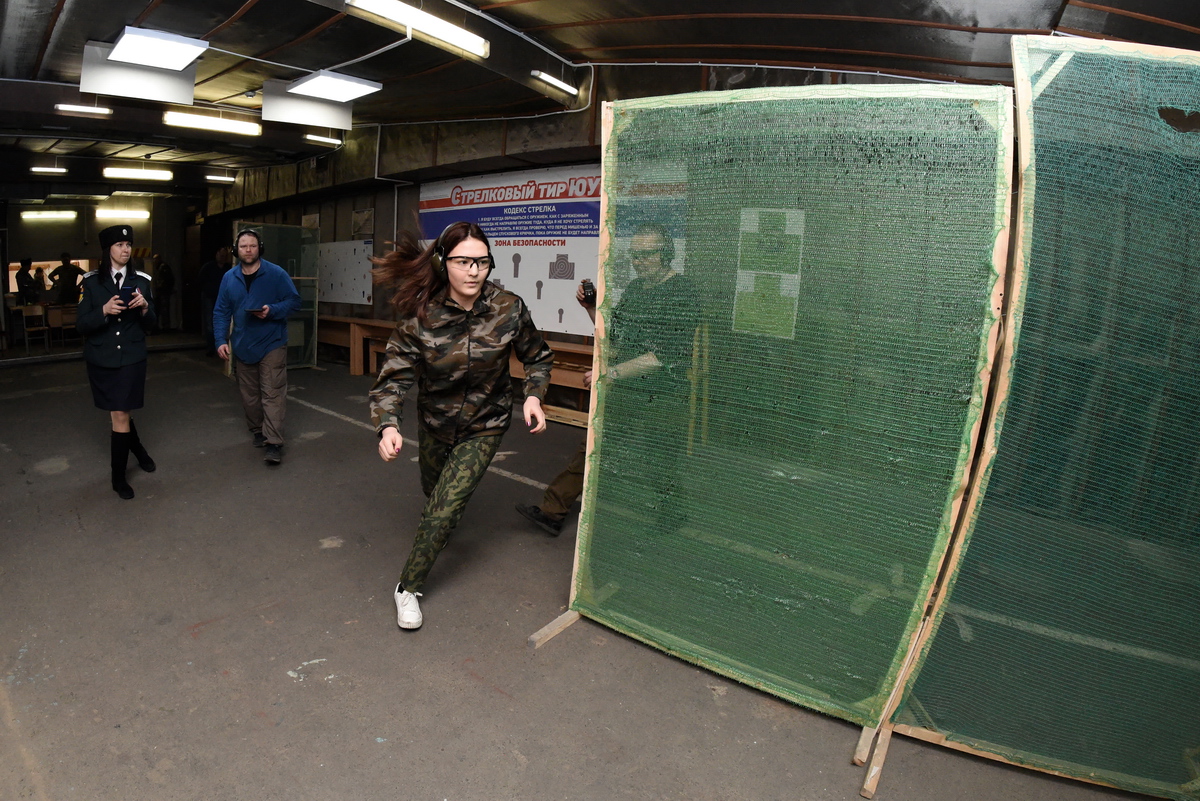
{"points": [[408, 611]]}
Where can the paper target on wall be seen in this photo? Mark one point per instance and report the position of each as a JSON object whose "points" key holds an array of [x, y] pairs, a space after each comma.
{"points": [[345, 270]]}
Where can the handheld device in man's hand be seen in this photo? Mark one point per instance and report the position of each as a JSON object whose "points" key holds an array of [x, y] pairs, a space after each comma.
{"points": [[589, 292]]}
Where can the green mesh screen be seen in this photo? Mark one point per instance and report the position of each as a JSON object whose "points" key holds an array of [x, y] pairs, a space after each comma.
{"points": [[1069, 640], [776, 457]]}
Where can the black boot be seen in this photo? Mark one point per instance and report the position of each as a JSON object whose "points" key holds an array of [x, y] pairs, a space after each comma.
{"points": [[120, 456], [139, 453]]}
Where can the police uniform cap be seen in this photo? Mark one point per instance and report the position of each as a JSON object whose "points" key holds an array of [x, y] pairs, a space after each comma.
{"points": [[114, 234]]}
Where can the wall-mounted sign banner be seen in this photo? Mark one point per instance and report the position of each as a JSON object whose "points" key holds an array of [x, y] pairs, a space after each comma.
{"points": [[544, 227]]}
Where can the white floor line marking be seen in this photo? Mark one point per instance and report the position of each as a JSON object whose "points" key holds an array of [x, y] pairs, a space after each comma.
{"points": [[407, 441], [516, 477]]}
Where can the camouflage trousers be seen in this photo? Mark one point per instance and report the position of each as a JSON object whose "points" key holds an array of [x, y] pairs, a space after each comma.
{"points": [[449, 476]]}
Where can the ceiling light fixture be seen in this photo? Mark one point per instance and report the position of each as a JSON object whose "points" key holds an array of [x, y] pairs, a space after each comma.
{"points": [[55, 170], [166, 51], [220, 179], [422, 22], [325, 140], [122, 214], [58, 196], [82, 109], [49, 215], [331, 86], [135, 173], [207, 123], [555, 82]]}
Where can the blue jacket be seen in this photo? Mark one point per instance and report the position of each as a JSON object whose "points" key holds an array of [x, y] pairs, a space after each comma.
{"points": [[254, 338]]}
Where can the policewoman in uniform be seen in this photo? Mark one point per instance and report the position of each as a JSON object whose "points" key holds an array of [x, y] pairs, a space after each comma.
{"points": [[454, 339], [115, 313]]}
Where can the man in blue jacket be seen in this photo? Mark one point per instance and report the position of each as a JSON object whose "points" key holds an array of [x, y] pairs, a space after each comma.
{"points": [[258, 297]]}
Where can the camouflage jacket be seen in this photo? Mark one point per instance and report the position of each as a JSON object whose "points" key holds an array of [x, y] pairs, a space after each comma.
{"points": [[459, 359]]}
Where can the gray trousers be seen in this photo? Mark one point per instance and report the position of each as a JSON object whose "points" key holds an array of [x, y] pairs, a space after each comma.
{"points": [[264, 394]]}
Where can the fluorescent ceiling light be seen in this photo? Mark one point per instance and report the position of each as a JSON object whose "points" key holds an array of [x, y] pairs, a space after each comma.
{"points": [[82, 109], [550, 79], [56, 170], [332, 86], [327, 140], [137, 173], [224, 179], [207, 123], [424, 22], [135, 193], [52, 196], [166, 51], [122, 214], [49, 215]]}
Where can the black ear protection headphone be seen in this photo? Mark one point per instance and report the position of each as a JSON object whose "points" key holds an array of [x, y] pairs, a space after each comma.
{"points": [[438, 257], [248, 232], [668, 249]]}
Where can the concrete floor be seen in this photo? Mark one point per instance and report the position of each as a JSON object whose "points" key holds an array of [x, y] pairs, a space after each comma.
{"points": [[230, 633]]}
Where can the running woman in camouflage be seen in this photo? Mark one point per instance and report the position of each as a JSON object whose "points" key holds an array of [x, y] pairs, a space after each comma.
{"points": [[456, 332]]}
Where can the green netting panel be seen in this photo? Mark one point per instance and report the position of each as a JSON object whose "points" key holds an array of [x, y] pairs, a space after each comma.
{"points": [[1069, 641], [776, 459]]}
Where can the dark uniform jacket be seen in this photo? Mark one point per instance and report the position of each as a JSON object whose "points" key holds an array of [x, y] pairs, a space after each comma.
{"points": [[113, 341], [459, 358]]}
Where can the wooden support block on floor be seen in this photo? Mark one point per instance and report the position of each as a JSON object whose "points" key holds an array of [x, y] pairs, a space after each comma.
{"points": [[556, 626], [863, 749], [877, 759]]}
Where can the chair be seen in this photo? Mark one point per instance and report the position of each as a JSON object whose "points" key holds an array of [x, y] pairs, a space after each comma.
{"points": [[33, 322], [60, 318], [69, 315]]}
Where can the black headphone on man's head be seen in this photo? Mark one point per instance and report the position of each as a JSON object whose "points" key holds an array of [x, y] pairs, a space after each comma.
{"points": [[438, 257], [248, 232]]}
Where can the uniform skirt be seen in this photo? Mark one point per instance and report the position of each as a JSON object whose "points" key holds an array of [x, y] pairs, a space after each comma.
{"points": [[118, 389]]}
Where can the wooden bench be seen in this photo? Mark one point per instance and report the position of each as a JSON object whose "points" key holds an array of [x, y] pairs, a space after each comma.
{"points": [[367, 340], [377, 347], [359, 334], [571, 361]]}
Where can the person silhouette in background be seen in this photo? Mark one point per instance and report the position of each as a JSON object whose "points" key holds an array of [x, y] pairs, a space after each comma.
{"points": [[65, 280]]}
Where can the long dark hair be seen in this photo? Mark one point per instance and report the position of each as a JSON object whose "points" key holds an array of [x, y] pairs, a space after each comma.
{"points": [[409, 268], [106, 263]]}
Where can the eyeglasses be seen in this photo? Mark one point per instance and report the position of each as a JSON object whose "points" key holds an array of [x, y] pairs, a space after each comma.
{"points": [[465, 263], [645, 254]]}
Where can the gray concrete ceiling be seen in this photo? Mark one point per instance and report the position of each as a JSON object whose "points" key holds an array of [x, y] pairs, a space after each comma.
{"points": [[42, 41]]}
